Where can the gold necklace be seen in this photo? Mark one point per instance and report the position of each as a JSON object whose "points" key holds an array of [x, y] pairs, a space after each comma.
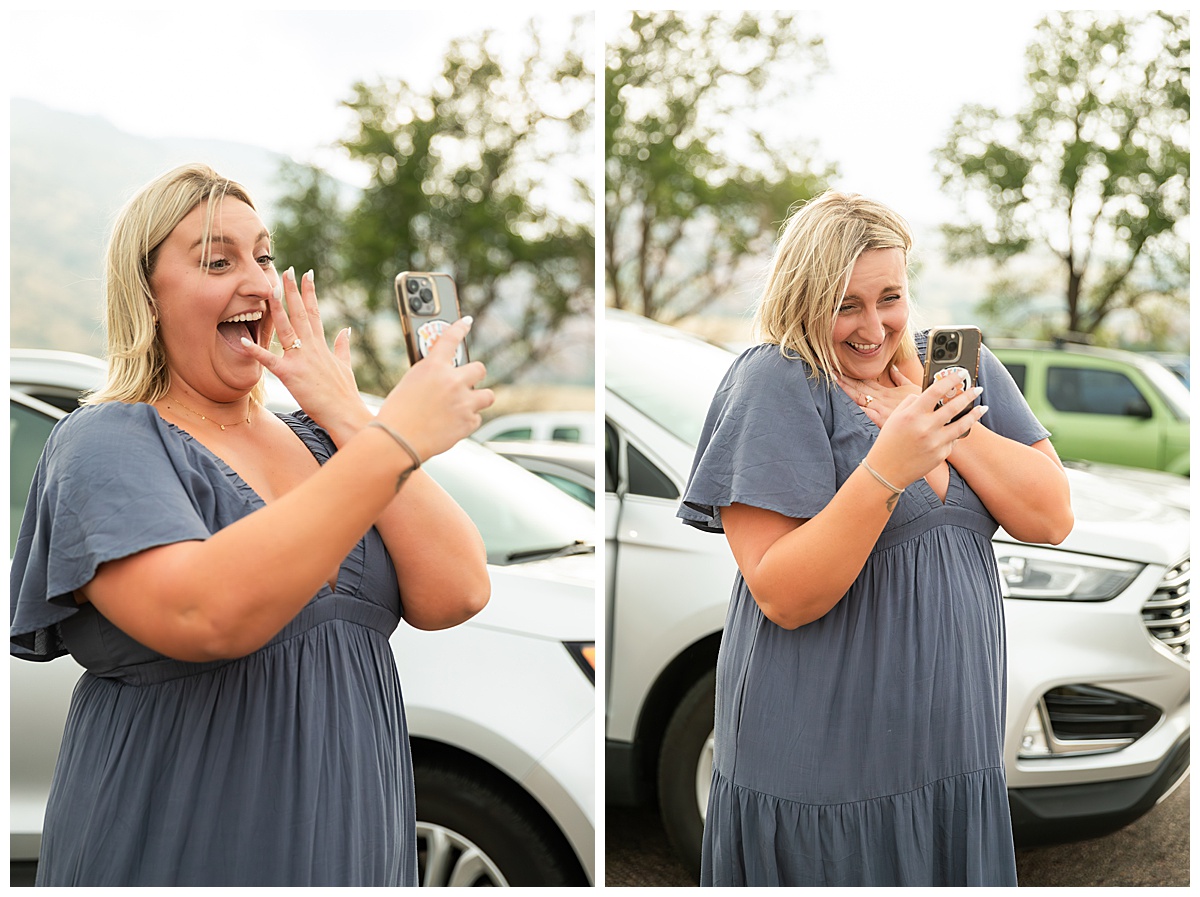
{"points": [[204, 417]]}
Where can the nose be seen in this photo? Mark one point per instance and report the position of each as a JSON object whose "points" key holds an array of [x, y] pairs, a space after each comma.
{"points": [[871, 325], [260, 282]]}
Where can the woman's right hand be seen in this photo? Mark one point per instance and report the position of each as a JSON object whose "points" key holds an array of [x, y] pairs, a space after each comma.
{"points": [[918, 435], [435, 404]]}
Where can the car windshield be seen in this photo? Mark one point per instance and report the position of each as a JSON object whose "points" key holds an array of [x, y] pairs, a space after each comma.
{"points": [[667, 375], [520, 516], [1174, 393]]}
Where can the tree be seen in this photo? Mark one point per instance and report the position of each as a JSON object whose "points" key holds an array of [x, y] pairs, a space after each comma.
{"points": [[484, 176], [1093, 168], [680, 212]]}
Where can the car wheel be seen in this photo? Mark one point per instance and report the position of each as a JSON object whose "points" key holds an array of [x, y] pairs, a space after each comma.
{"points": [[474, 832], [685, 771]]}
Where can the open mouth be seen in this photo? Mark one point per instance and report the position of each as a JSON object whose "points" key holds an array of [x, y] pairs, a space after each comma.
{"points": [[865, 348], [246, 325]]}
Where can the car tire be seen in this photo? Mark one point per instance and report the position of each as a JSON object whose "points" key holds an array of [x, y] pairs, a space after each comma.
{"points": [[685, 771], [474, 831]]}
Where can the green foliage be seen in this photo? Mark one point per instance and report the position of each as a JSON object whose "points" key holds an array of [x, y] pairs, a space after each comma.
{"points": [[1094, 167], [479, 177], [680, 212]]}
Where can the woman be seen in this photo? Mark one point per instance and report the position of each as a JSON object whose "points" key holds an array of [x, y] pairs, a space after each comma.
{"points": [[229, 577], [860, 682]]}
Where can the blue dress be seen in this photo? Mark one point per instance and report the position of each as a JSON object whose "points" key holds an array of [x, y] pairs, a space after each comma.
{"points": [[864, 748], [289, 766]]}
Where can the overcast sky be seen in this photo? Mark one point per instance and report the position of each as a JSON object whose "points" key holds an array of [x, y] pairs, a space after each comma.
{"points": [[275, 78]]}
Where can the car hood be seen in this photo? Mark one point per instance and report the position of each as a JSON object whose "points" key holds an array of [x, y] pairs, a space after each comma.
{"points": [[1169, 488], [1119, 518], [551, 598]]}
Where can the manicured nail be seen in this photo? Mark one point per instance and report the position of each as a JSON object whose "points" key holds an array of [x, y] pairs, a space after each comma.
{"points": [[983, 409], [290, 274], [308, 275], [246, 343], [279, 290], [469, 321]]}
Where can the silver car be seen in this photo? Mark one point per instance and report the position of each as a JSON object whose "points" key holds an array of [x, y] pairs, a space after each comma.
{"points": [[1098, 723], [501, 710]]}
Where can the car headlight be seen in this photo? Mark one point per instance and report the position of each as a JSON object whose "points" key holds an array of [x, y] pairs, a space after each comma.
{"points": [[1030, 572], [584, 654]]}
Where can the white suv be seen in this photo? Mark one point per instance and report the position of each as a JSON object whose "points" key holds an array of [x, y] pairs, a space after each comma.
{"points": [[501, 710], [1098, 671]]}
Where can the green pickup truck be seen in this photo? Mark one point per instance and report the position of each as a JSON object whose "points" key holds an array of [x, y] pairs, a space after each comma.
{"points": [[1104, 405]]}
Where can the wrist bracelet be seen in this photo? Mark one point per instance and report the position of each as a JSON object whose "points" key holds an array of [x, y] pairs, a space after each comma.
{"points": [[896, 493], [403, 443]]}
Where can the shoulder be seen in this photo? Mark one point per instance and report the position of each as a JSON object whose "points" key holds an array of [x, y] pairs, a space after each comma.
{"points": [[106, 424]]}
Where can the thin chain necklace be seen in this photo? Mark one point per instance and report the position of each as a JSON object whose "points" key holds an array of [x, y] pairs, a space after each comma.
{"points": [[205, 417]]}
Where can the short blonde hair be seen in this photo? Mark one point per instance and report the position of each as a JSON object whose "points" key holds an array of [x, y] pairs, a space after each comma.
{"points": [[818, 246], [137, 361]]}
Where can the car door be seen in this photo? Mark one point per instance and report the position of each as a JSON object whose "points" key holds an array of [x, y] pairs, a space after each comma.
{"points": [[1101, 414]]}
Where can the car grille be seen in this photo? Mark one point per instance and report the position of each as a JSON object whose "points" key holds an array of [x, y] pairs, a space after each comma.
{"points": [[1168, 613], [1086, 713]]}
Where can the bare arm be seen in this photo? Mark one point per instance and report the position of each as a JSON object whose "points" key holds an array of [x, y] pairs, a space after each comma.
{"points": [[798, 569], [228, 595], [1023, 486]]}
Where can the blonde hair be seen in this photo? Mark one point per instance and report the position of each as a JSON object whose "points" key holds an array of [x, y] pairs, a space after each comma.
{"points": [[137, 361], [818, 247]]}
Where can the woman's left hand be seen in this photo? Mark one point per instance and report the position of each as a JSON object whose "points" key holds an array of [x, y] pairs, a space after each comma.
{"points": [[878, 401], [321, 380]]}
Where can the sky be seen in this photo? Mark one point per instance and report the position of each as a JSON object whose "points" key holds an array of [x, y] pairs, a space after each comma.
{"points": [[275, 78]]}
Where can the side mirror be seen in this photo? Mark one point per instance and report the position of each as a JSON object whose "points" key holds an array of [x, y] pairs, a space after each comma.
{"points": [[1139, 408]]}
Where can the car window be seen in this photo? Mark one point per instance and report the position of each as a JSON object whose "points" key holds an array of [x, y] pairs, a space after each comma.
{"points": [[672, 383], [1088, 391], [610, 458], [566, 434], [519, 434], [575, 490], [517, 513], [645, 478], [27, 434], [1018, 374], [1171, 389]]}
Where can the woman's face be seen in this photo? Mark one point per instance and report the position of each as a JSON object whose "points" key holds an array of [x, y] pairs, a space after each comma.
{"points": [[873, 317], [199, 297]]}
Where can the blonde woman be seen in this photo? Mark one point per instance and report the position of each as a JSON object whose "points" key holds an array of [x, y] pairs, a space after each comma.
{"points": [[860, 682], [229, 577]]}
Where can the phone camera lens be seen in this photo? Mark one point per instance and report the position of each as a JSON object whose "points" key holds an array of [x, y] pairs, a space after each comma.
{"points": [[412, 285], [426, 294], [414, 302]]}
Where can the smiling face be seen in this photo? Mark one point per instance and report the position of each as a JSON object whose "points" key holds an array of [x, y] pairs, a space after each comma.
{"points": [[211, 294], [873, 317]]}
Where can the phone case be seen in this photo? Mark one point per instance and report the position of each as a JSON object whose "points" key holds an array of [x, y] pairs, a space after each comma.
{"points": [[948, 348], [428, 304]]}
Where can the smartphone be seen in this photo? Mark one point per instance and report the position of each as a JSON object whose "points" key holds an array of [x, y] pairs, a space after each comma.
{"points": [[428, 304], [948, 348]]}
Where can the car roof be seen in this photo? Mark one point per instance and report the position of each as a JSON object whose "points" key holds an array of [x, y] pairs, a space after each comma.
{"points": [[1027, 345], [579, 455]]}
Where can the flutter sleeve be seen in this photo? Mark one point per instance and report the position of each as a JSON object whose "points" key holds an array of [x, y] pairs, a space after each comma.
{"points": [[765, 443], [111, 481], [1008, 412]]}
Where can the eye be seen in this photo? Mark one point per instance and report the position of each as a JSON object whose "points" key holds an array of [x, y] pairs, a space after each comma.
{"points": [[266, 260], [216, 264]]}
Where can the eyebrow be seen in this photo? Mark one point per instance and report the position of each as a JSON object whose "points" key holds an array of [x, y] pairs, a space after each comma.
{"points": [[228, 241], [884, 290]]}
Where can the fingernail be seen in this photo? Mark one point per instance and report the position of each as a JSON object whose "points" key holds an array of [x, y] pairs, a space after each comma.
{"points": [[978, 390], [308, 275], [279, 290], [469, 320], [983, 410], [246, 342], [290, 274]]}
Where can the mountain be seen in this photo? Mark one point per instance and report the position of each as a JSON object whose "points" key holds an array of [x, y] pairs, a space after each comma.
{"points": [[69, 175]]}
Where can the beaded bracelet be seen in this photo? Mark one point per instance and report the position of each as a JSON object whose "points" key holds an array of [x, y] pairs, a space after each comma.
{"points": [[403, 443]]}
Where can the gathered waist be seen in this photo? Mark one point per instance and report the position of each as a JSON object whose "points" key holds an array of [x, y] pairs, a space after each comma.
{"points": [[327, 609]]}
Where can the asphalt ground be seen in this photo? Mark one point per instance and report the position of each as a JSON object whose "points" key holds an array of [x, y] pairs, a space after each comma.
{"points": [[1154, 851]]}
